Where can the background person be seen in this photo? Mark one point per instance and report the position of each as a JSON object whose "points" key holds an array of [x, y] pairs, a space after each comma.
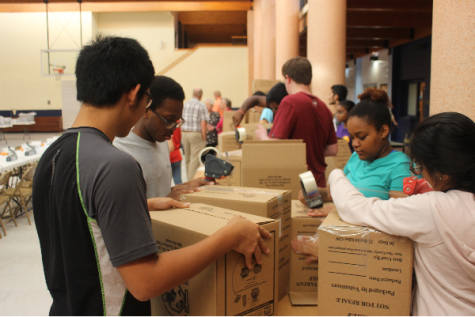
{"points": [[217, 103], [271, 100], [304, 116], [175, 156], [212, 133], [342, 110], [91, 213], [225, 106], [194, 131]]}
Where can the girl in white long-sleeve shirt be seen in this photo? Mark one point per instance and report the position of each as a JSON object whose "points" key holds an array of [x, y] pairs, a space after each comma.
{"points": [[441, 223]]}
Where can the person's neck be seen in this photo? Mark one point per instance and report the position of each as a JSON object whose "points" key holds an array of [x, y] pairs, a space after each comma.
{"points": [[296, 88], [387, 148], [140, 131], [106, 119], [345, 124]]}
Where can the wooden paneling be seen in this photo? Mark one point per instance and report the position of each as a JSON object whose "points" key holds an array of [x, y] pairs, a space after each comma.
{"points": [[43, 124], [127, 6], [236, 29], [378, 33], [390, 5], [387, 18], [212, 18]]}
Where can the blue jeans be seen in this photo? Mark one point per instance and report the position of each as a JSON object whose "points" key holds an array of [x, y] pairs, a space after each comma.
{"points": [[176, 172]]}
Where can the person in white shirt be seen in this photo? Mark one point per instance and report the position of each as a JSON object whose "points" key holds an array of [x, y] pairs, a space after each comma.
{"points": [[147, 140], [441, 223]]}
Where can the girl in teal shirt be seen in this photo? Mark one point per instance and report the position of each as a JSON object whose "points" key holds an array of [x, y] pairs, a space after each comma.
{"points": [[375, 168]]}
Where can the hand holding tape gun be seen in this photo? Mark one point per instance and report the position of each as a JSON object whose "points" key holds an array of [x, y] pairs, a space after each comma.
{"points": [[215, 167]]}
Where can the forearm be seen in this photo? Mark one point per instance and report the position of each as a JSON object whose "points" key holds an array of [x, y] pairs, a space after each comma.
{"points": [[170, 269], [249, 103]]}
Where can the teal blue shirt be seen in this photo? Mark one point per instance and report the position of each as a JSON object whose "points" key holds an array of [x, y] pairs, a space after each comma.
{"points": [[268, 115], [378, 178]]}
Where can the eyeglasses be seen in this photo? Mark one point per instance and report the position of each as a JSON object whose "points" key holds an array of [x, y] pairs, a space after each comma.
{"points": [[149, 99], [415, 168], [342, 112], [169, 124]]}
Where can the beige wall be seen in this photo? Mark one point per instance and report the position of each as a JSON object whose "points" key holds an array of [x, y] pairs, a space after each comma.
{"points": [[453, 59], [223, 68], [22, 36]]}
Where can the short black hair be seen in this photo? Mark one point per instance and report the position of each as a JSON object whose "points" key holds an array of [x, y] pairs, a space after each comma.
{"points": [[444, 143], [299, 70], [276, 93], [259, 93], [341, 91], [164, 87], [347, 104], [373, 108], [110, 66]]}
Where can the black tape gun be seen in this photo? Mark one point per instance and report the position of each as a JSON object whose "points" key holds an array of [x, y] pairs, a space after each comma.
{"points": [[215, 167]]}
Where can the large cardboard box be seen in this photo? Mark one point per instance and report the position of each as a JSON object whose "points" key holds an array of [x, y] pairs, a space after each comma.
{"points": [[268, 203], [227, 142], [363, 271], [303, 288], [273, 164], [253, 116], [340, 160], [228, 121], [226, 287]]}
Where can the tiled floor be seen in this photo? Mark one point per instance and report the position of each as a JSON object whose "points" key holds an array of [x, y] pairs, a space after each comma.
{"points": [[23, 289]]}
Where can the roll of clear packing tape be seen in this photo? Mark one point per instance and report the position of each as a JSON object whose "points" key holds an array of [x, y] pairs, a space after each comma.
{"points": [[209, 148], [240, 134], [310, 190]]}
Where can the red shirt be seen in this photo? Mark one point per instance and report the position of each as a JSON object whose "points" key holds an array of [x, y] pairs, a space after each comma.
{"points": [[175, 155], [304, 116]]}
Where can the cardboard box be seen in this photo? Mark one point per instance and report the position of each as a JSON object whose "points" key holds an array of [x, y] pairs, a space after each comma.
{"points": [[273, 164], [227, 142], [363, 271], [228, 121], [254, 116], [226, 287], [234, 179], [340, 160], [268, 203], [303, 289]]}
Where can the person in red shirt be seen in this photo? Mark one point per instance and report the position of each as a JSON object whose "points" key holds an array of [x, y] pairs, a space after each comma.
{"points": [[175, 155], [304, 116]]}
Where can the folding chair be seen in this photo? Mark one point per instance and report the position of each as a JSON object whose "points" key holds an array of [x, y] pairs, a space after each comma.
{"points": [[5, 200], [22, 194]]}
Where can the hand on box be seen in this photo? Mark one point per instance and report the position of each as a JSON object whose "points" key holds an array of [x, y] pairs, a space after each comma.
{"points": [[249, 238], [197, 182], [237, 118], [307, 245], [161, 203], [261, 133]]}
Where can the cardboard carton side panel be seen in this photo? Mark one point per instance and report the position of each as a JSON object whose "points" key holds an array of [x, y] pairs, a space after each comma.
{"points": [[275, 177], [227, 142], [340, 160], [242, 206], [272, 153], [192, 297], [228, 121], [364, 272], [250, 292]]}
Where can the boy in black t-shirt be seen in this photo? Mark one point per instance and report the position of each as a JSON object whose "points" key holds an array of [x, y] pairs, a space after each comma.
{"points": [[91, 212]]}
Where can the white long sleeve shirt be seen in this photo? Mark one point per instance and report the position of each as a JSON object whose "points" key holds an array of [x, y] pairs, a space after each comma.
{"points": [[442, 226]]}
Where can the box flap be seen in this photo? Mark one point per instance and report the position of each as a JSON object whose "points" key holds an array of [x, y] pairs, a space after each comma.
{"points": [[238, 193], [304, 298], [202, 218]]}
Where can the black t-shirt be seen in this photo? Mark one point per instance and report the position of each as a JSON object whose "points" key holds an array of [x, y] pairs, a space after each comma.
{"points": [[91, 216]]}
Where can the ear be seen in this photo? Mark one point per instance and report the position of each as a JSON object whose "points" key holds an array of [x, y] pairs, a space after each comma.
{"points": [[131, 96], [384, 131], [287, 79]]}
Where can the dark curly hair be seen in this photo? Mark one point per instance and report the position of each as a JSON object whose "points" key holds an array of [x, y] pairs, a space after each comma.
{"points": [[373, 108], [164, 87]]}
